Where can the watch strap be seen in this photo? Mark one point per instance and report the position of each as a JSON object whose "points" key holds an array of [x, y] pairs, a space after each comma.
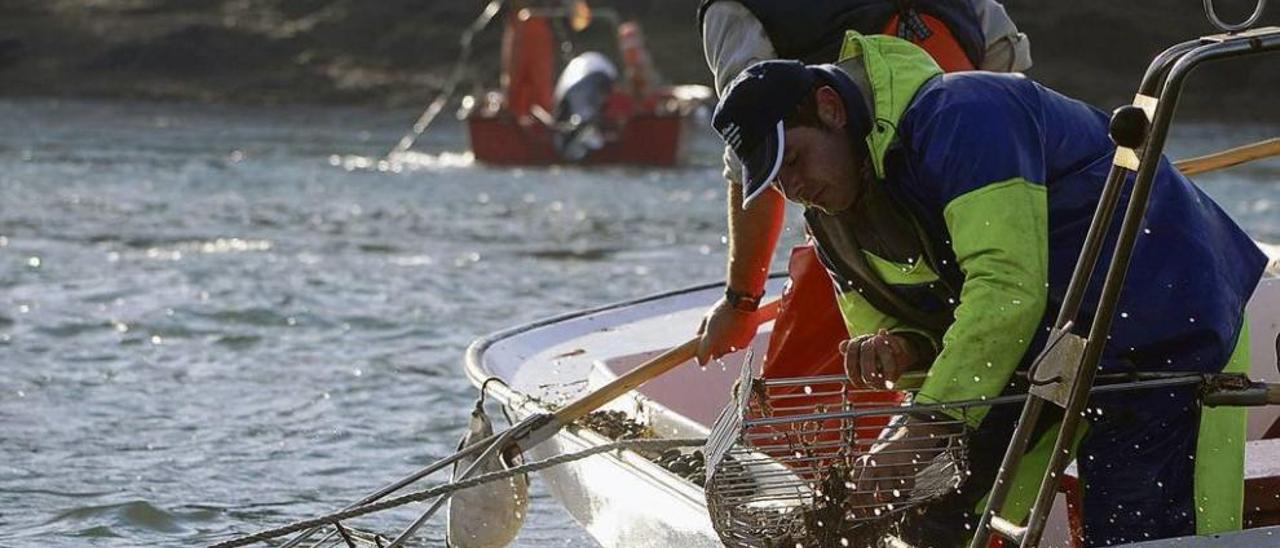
{"points": [[744, 302]]}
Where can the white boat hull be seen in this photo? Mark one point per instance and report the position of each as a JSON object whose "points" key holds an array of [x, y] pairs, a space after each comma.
{"points": [[620, 498]]}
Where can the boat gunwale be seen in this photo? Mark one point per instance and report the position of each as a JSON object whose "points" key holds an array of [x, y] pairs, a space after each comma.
{"points": [[474, 359]]}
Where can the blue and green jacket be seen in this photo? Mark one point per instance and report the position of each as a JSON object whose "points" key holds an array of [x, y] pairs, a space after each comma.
{"points": [[1002, 176], [999, 177]]}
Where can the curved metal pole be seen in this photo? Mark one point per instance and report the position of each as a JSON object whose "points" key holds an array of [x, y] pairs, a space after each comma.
{"points": [[1104, 215], [1081, 277], [1118, 269], [1153, 78], [1164, 77], [459, 69]]}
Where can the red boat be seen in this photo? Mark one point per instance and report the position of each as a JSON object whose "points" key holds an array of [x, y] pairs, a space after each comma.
{"points": [[648, 137], [592, 115]]}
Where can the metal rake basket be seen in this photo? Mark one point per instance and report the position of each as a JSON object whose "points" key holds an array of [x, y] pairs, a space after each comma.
{"points": [[785, 457]]}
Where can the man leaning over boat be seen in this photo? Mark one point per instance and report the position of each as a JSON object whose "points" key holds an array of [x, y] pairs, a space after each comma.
{"points": [[948, 210], [959, 34]]}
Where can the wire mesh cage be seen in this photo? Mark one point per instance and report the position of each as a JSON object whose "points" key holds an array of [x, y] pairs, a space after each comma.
{"points": [[815, 461]]}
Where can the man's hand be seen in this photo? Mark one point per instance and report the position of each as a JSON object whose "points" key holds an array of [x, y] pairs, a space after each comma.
{"points": [[877, 361], [887, 472], [725, 329]]}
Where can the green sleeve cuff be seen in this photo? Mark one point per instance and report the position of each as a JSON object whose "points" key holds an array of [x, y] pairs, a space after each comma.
{"points": [[935, 346]]}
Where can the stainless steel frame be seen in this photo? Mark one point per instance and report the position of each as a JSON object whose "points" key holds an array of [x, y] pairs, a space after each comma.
{"points": [[1140, 131]]}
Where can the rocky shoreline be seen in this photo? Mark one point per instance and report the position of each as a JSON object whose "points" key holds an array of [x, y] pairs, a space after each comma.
{"points": [[397, 53]]}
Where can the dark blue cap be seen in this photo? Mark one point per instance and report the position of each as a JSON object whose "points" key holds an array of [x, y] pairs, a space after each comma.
{"points": [[749, 118]]}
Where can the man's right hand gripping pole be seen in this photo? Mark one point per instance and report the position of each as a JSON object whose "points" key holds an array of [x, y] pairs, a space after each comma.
{"points": [[753, 235]]}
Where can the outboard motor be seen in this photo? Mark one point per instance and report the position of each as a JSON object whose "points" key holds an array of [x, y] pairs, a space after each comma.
{"points": [[580, 95]]}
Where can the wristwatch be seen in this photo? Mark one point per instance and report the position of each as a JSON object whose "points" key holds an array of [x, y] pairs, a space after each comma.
{"points": [[742, 302]]}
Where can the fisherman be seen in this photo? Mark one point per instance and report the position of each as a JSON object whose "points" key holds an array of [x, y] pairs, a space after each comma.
{"points": [[528, 61], [949, 210], [959, 34]]}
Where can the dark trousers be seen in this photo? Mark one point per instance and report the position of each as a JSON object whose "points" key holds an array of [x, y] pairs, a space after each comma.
{"points": [[1137, 462]]}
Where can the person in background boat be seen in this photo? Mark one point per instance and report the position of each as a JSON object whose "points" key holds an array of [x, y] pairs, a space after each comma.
{"points": [[959, 34], [952, 207], [528, 61], [589, 112], [582, 94], [641, 77]]}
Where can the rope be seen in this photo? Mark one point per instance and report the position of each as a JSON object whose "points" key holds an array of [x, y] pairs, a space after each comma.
{"points": [[459, 68], [416, 496]]}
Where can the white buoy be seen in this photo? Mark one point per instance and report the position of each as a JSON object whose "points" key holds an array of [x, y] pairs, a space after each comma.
{"points": [[488, 515]]}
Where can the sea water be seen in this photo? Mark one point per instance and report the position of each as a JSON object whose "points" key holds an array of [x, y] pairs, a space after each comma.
{"points": [[216, 320]]}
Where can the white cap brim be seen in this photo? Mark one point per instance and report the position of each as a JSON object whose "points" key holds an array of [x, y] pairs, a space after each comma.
{"points": [[766, 183]]}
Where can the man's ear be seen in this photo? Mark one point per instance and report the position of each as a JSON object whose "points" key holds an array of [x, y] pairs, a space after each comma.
{"points": [[830, 107]]}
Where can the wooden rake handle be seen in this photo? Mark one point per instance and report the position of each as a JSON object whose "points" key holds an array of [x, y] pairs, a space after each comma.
{"points": [[1230, 157], [645, 372]]}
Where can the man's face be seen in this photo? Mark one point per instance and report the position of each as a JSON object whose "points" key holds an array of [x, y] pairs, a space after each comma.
{"points": [[819, 166]]}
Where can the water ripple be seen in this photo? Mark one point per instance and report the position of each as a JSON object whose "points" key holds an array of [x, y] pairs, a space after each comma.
{"points": [[237, 318]]}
